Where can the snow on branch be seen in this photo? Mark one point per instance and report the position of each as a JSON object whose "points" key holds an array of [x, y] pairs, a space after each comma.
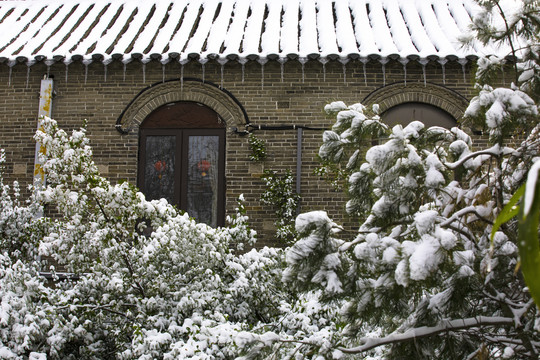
{"points": [[425, 331], [492, 151], [459, 215]]}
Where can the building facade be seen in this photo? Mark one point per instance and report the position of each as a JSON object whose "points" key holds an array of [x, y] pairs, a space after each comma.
{"points": [[171, 90]]}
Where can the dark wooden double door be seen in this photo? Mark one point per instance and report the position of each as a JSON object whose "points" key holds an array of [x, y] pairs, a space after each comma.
{"points": [[182, 159]]}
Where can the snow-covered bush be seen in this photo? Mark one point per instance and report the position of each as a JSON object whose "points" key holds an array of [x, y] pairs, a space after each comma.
{"points": [[25, 311], [147, 281], [280, 194], [17, 235]]}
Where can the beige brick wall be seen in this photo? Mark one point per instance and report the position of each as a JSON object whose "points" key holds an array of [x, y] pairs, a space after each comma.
{"points": [[297, 99]]}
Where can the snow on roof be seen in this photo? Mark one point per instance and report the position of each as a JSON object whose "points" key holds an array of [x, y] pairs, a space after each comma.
{"points": [[67, 30]]}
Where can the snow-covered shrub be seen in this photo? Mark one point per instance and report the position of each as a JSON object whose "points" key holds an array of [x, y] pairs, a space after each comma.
{"points": [[280, 194], [25, 314], [147, 281], [18, 235], [257, 147]]}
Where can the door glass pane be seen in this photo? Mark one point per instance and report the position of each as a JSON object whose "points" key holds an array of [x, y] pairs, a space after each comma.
{"points": [[159, 167], [202, 182]]}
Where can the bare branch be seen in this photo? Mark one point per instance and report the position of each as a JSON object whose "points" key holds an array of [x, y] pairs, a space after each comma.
{"points": [[96, 307], [493, 151], [425, 331], [100, 207], [509, 38], [463, 212], [137, 285]]}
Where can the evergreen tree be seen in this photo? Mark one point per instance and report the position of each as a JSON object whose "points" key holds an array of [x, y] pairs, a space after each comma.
{"points": [[422, 278]]}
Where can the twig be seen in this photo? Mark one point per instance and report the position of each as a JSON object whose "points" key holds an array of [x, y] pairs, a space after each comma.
{"points": [[132, 273], [98, 307], [509, 38]]}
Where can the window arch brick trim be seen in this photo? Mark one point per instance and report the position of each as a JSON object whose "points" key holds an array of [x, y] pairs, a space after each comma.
{"points": [[436, 95], [206, 93]]}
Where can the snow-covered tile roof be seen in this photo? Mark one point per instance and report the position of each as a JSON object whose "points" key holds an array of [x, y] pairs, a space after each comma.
{"points": [[64, 30]]}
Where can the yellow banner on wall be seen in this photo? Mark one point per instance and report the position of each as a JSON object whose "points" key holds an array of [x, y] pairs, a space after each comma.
{"points": [[45, 107]]}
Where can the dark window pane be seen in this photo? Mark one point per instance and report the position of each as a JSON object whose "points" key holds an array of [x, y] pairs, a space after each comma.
{"points": [[428, 114], [159, 167], [202, 181]]}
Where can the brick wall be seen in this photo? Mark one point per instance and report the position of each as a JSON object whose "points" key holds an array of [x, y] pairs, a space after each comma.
{"points": [[298, 99]]}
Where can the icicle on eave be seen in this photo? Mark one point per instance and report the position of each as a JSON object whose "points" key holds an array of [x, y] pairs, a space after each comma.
{"points": [[49, 63], [125, 61], [29, 64], [182, 63], [243, 62], [162, 73], [404, 62], [182, 78], [463, 62], [144, 61], [106, 63], [443, 62], [424, 62], [203, 62], [384, 61], [344, 61], [262, 61], [144, 73], [86, 62], [282, 61], [323, 61], [364, 62], [222, 62], [303, 60], [67, 62], [163, 62], [27, 76], [222, 69], [11, 64]]}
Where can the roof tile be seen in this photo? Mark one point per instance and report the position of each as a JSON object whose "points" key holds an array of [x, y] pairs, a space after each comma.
{"points": [[56, 29]]}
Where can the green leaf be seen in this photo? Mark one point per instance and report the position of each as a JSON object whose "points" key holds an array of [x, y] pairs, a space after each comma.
{"points": [[529, 246], [508, 212]]}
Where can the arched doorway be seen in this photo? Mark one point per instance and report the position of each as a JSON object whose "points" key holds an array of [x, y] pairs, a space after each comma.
{"points": [[182, 159], [410, 111], [419, 102]]}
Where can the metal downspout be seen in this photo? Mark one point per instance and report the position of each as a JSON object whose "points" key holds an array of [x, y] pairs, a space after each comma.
{"points": [[299, 133]]}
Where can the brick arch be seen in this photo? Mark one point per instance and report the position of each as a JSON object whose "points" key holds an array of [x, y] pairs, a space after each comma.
{"points": [[206, 93], [436, 95]]}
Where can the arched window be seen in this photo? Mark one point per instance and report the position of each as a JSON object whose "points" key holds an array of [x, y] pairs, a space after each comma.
{"points": [[182, 159], [428, 114]]}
